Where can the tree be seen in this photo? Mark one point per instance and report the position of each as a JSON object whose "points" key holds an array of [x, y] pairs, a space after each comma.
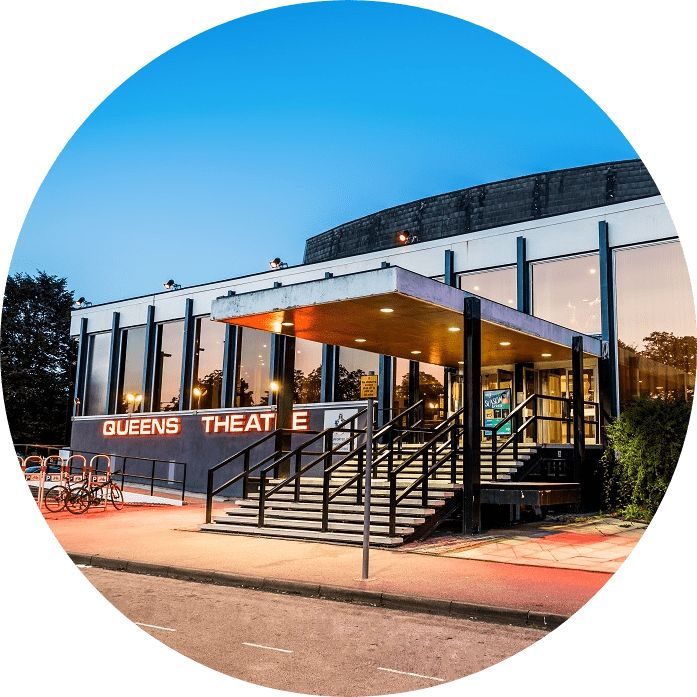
{"points": [[677, 351], [307, 388], [37, 357]]}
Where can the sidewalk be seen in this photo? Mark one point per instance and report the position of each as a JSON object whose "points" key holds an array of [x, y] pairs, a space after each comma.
{"points": [[169, 536]]}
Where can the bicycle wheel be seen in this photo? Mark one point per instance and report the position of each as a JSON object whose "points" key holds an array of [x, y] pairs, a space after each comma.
{"points": [[55, 498], [97, 496], [116, 496], [78, 500]]}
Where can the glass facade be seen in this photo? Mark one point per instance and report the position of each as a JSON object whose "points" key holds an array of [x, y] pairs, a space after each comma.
{"points": [[352, 364], [431, 389], [98, 350], [168, 366], [132, 354], [567, 292], [209, 346], [499, 285], [308, 372], [253, 375], [657, 337]]}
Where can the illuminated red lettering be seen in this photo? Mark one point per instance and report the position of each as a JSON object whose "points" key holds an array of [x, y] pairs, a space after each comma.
{"points": [[173, 424], [236, 423], [301, 421], [253, 423], [108, 428], [268, 418]]}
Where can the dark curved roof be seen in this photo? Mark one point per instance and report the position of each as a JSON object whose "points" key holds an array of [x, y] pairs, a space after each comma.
{"points": [[487, 206]]}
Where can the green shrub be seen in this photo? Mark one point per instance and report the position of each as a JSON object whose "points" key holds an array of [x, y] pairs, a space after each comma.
{"points": [[644, 444]]}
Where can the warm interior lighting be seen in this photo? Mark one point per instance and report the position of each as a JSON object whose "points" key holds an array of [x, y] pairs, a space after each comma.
{"points": [[453, 329], [360, 341], [415, 353], [386, 310], [504, 343], [591, 271], [274, 386], [197, 391], [286, 324], [546, 355]]}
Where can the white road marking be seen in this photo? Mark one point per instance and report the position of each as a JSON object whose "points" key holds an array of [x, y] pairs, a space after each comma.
{"points": [[413, 675], [154, 626], [269, 648]]}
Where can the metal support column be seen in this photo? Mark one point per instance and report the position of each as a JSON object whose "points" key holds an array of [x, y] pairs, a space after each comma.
{"points": [[231, 363], [449, 277], [330, 373], [385, 389], [472, 355], [413, 396], [187, 356], [148, 359], [522, 276], [283, 367], [81, 369], [607, 366], [578, 420], [113, 375]]}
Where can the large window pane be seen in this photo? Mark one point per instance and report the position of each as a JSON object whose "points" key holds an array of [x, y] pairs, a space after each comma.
{"points": [[430, 390], [352, 364], [498, 285], [97, 373], [567, 292], [657, 337], [131, 370], [168, 366], [253, 374], [308, 372], [209, 347]]}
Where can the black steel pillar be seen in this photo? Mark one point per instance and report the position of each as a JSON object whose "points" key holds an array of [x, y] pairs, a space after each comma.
{"points": [[81, 369], [385, 389], [231, 360], [472, 356], [413, 396], [113, 375], [187, 356], [148, 359], [608, 387], [577, 405], [330, 373], [522, 276], [283, 373]]}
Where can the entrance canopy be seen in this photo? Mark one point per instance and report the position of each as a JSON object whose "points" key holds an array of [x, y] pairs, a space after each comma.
{"points": [[398, 313]]}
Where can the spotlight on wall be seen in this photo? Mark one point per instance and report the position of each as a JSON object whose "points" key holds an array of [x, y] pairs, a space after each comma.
{"points": [[405, 237], [276, 263], [171, 285], [81, 302]]}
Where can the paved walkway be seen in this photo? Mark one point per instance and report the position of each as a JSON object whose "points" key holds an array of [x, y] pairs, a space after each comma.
{"points": [[169, 536]]}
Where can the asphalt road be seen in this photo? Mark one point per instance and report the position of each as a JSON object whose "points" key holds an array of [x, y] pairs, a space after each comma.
{"points": [[305, 644]]}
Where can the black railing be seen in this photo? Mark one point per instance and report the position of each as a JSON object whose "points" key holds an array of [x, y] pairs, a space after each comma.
{"points": [[130, 469]]}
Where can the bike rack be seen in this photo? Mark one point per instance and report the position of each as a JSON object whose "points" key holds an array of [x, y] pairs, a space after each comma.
{"points": [[94, 478], [39, 476], [74, 479]]}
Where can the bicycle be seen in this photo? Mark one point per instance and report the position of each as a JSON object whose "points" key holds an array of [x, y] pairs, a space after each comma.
{"points": [[99, 494]]}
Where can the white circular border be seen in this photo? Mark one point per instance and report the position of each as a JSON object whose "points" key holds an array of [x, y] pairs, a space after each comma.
{"points": [[66, 57]]}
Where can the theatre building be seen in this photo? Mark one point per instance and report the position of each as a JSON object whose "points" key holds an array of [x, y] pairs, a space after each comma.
{"points": [[506, 323]]}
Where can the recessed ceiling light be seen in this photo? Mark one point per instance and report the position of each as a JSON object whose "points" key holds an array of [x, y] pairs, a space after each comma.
{"points": [[286, 324], [461, 363], [415, 353], [475, 287], [386, 310], [504, 343], [591, 270], [546, 355], [453, 329], [360, 341]]}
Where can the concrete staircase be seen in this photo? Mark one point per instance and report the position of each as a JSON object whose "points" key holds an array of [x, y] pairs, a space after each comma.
{"points": [[301, 519]]}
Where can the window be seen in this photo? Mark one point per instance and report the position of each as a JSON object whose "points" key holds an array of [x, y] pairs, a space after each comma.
{"points": [[430, 389], [209, 347], [132, 353], [567, 292], [308, 372], [657, 337], [254, 371], [499, 285], [168, 366], [98, 350], [352, 364]]}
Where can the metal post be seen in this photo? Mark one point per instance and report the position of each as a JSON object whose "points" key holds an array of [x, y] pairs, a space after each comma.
{"points": [[578, 419], [367, 487]]}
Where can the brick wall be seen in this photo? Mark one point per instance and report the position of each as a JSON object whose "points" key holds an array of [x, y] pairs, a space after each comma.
{"points": [[487, 206]]}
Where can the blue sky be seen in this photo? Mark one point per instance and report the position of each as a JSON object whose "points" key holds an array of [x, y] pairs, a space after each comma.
{"points": [[237, 145]]}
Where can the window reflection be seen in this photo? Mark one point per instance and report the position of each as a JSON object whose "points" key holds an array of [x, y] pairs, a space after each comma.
{"points": [[657, 337], [352, 364], [253, 374], [430, 389], [308, 372], [498, 285], [567, 292], [97, 374], [209, 346], [132, 353], [168, 366]]}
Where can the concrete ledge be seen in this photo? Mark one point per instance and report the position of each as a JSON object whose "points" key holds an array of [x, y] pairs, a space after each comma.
{"points": [[392, 601]]}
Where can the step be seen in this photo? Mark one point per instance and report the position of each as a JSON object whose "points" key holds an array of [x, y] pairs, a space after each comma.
{"points": [[289, 514], [376, 507], [305, 535], [433, 498], [287, 524]]}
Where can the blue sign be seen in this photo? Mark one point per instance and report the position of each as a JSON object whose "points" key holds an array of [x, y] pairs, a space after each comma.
{"points": [[497, 406]]}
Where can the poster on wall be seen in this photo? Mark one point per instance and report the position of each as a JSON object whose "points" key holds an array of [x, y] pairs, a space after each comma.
{"points": [[333, 417], [497, 406]]}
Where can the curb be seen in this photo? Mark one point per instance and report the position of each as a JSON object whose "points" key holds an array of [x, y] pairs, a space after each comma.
{"points": [[392, 601]]}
